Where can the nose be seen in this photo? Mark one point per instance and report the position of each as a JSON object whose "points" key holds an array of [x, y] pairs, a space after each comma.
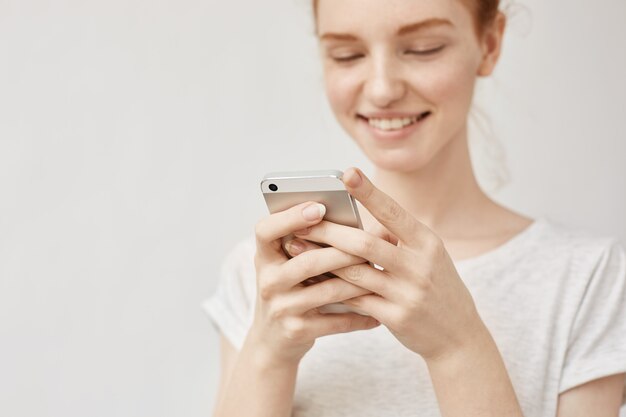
{"points": [[384, 85]]}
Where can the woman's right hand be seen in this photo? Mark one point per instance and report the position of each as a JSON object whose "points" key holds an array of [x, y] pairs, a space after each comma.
{"points": [[286, 321]]}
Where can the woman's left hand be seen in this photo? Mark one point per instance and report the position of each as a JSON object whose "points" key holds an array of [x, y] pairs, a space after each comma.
{"points": [[419, 295]]}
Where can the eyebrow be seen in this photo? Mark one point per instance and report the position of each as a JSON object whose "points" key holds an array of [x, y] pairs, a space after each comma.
{"points": [[404, 30]]}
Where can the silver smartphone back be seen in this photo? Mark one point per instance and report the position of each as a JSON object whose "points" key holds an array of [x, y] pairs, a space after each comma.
{"points": [[283, 190]]}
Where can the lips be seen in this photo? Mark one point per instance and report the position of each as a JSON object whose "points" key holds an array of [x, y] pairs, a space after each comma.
{"points": [[393, 127], [394, 123], [392, 115]]}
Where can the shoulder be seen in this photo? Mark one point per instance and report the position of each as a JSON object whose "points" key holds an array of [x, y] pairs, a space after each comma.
{"points": [[559, 240], [582, 252], [231, 305], [593, 304]]}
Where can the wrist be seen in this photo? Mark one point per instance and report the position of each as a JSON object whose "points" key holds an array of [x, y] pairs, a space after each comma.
{"points": [[474, 380], [264, 357], [480, 343]]}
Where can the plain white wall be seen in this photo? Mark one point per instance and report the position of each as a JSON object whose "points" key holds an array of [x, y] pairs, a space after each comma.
{"points": [[133, 135]]}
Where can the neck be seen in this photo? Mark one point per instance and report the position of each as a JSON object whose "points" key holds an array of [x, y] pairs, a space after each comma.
{"points": [[444, 194]]}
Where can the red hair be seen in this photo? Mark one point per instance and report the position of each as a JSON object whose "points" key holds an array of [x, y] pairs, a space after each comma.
{"points": [[483, 11]]}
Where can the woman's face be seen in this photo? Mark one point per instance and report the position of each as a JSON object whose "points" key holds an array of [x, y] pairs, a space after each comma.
{"points": [[388, 63]]}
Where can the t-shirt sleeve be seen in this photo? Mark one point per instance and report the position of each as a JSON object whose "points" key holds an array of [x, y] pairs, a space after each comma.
{"points": [[597, 343], [230, 306]]}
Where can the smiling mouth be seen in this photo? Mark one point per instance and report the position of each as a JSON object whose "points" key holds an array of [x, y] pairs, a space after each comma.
{"points": [[394, 123]]}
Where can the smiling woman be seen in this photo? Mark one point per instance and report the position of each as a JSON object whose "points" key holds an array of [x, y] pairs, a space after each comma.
{"points": [[477, 310], [427, 64]]}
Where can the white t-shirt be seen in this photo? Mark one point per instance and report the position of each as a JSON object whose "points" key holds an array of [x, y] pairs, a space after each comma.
{"points": [[553, 298]]}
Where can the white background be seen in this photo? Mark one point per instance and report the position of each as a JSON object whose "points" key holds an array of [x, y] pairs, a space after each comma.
{"points": [[134, 133]]}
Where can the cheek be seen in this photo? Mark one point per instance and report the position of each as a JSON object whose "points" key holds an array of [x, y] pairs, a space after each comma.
{"points": [[448, 86], [341, 90]]}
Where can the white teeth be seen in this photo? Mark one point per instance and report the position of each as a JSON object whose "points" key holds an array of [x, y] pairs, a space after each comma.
{"points": [[392, 124]]}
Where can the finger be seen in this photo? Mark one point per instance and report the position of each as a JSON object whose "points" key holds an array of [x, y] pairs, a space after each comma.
{"points": [[293, 247], [382, 232], [359, 243], [385, 209], [333, 323], [371, 279], [376, 306], [297, 246], [272, 228], [314, 262], [333, 290]]}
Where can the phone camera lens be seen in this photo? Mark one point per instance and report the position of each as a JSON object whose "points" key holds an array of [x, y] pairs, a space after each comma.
{"points": [[273, 187]]}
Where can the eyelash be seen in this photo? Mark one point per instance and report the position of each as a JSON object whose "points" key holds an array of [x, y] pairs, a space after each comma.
{"points": [[421, 53]]}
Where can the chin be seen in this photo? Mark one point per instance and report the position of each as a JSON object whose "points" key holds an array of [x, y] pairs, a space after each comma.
{"points": [[399, 159], [412, 155]]}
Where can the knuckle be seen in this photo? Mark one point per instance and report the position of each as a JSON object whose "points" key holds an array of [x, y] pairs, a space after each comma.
{"points": [[261, 231], [305, 264], [276, 311], [266, 292], [434, 246], [421, 269], [415, 304], [345, 324], [366, 246], [393, 211], [267, 286], [353, 273], [328, 290], [425, 283], [417, 300], [404, 320], [424, 277], [294, 328]]}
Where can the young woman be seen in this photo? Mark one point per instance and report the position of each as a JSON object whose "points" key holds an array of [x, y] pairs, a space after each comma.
{"points": [[478, 311]]}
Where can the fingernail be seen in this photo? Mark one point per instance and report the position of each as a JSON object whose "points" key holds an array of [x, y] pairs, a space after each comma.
{"points": [[353, 178], [294, 247], [314, 212]]}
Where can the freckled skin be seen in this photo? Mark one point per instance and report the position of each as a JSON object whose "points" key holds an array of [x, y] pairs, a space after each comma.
{"points": [[386, 78]]}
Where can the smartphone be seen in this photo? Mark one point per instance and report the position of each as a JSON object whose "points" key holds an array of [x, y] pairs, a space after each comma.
{"points": [[283, 190]]}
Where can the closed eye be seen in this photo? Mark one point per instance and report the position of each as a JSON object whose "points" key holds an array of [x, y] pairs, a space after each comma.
{"points": [[347, 58], [410, 51], [426, 52]]}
